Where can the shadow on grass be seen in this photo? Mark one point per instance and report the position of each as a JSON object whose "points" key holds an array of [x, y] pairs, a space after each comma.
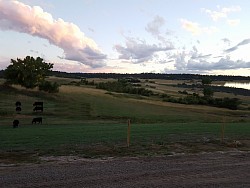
{"points": [[12, 90]]}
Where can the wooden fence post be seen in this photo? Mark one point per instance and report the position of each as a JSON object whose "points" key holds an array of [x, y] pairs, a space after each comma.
{"points": [[128, 133], [222, 130]]}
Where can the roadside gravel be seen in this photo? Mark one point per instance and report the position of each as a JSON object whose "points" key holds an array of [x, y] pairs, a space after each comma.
{"points": [[231, 169]]}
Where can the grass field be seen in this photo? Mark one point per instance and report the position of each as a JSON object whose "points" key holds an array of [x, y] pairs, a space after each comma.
{"points": [[81, 120]]}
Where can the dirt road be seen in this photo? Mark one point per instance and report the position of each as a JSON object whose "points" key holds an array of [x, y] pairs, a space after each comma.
{"points": [[230, 169]]}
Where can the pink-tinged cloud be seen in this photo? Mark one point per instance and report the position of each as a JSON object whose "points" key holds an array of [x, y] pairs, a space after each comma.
{"points": [[222, 12], [34, 21], [234, 22], [196, 29]]}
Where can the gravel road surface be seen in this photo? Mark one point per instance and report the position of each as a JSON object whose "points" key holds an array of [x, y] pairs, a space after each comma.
{"points": [[231, 169]]}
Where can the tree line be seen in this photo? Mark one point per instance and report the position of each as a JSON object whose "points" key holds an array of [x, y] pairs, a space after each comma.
{"points": [[144, 76], [149, 76]]}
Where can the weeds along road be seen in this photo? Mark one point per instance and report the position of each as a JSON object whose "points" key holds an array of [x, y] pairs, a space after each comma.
{"points": [[230, 169]]}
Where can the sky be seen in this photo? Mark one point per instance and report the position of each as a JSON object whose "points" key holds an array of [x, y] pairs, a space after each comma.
{"points": [[129, 36]]}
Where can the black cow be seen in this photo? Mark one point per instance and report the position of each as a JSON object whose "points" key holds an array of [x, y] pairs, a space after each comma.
{"points": [[37, 120], [15, 123], [38, 108], [38, 104], [18, 103], [18, 109]]}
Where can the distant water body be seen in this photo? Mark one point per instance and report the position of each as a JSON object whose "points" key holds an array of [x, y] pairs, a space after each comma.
{"points": [[238, 85]]}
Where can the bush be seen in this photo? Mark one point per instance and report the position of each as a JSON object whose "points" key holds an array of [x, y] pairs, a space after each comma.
{"points": [[49, 87], [206, 81], [183, 92], [122, 86], [230, 103], [208, 92], [164, 95]]}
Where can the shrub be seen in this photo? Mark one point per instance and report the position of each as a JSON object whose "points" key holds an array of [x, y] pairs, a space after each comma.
{"points": [[183, 92], [122, 86], [206, 81], [230, 103], [49, 87], [208, 92]]}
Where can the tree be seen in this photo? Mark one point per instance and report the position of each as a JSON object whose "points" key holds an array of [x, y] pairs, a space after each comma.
{"points": [[206, 81], [208, 92], [29, 72], [49, 87]]}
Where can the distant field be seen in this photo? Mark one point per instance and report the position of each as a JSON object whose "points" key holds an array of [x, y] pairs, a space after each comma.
{"points": [[87, 121]]}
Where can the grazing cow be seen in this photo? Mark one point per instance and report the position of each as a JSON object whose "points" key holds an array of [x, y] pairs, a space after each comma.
{"points": [[18, 103], [37, 120], [18, 109], [15, 123], [38, 108], [38, 104]]}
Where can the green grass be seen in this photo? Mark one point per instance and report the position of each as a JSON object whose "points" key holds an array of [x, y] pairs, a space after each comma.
{"points": [[47, 137], [85, 121]]}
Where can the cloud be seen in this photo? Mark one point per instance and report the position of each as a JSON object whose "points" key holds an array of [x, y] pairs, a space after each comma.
{"points": [[226, 41], [184, 62], [234, 22], [196, 55], [222, 12], [138, 50], [184, 58], [222, 64], [202, 56], [22, 18], [244, 42], [192, 27], [231, 49], [180, 61], [219, 56], [34, 51], [193, 60], [154, 26], [196, 29], [91, 29], [166, 61]]}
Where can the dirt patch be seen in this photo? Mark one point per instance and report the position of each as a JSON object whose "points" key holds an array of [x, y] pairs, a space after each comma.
{"points": [[96, 151], [17, 157], [217, 169]]}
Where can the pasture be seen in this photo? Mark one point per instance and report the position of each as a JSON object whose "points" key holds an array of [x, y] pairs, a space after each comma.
{"points": [[82, 120]]}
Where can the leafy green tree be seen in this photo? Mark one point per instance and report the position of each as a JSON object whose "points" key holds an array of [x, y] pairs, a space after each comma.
{"points": [[29, 72], [206, 81], [208, 92], [49, 87]]}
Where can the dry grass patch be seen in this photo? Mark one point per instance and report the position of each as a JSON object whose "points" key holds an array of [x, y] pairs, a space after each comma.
{"points": [[78, 89], [60, 80]]}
